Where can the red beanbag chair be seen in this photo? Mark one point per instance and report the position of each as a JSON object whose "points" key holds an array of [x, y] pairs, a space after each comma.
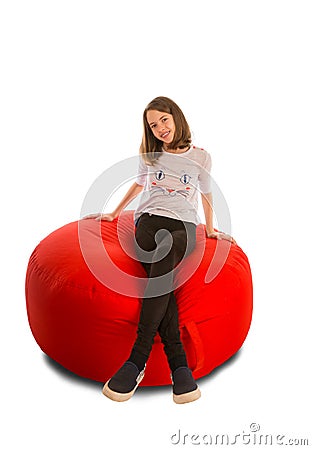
{"points": [[84, 290]]}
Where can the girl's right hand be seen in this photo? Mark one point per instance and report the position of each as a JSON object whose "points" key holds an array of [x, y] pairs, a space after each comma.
{"points": [[109, 217]]}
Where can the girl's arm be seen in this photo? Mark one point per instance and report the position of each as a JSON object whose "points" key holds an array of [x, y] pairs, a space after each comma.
{"points": [[208, 211], [133, 191]]}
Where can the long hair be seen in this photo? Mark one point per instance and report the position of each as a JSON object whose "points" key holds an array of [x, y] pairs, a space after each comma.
{"points": [[151, 147]]}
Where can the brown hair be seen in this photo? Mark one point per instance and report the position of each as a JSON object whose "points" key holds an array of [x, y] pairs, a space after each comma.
{"points": [[182, 136]]}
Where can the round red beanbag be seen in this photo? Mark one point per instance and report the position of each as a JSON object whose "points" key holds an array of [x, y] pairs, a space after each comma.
{"points": [[84, 291]]}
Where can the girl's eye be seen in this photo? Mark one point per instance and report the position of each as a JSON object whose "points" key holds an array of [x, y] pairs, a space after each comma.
{"points": [[185, 179], [159, 175]]}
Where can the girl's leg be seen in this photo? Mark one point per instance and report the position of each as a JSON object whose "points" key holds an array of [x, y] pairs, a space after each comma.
{"points": [[156, 314], [170, 336], [159, 312], [154, 306], [169, 327]]}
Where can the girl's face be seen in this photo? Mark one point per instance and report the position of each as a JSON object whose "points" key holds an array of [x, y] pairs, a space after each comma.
{"points": [[162, 126]]}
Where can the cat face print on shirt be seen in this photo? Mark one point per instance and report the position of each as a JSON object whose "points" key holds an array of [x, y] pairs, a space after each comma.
{"points": [[171, 185]]}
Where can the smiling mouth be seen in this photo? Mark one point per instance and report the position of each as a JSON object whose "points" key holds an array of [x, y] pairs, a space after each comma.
{"points": [[164, 135]]}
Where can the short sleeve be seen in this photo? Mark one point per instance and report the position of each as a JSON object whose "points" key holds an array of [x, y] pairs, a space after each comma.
{"points": [[204, 179], [142, 172]]}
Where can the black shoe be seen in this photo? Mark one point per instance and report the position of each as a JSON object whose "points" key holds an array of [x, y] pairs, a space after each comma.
{"points": [[185, 388], [123, 384]]}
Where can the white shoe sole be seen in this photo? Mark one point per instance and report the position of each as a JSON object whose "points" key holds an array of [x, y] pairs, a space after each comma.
{"points": [[187, 397], [118, 396]]}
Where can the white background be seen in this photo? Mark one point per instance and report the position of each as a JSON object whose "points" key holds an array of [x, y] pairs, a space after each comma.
{"points": [[75, 78]]}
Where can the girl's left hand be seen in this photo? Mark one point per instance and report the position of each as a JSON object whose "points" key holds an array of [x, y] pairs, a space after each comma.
{"points": [[219, 235]]}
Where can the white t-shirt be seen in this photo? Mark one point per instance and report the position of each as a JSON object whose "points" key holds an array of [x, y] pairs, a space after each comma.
{"points": [[172, 184]]}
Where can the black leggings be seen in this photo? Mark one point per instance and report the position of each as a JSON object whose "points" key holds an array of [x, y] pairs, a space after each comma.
{"points": [[162, 243]]}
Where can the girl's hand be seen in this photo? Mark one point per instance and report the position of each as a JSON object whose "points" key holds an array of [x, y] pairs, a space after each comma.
{"points": [[109, 217], [218, 235]]}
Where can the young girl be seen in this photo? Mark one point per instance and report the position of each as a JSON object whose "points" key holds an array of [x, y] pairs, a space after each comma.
{"points": [[171, 171]]}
